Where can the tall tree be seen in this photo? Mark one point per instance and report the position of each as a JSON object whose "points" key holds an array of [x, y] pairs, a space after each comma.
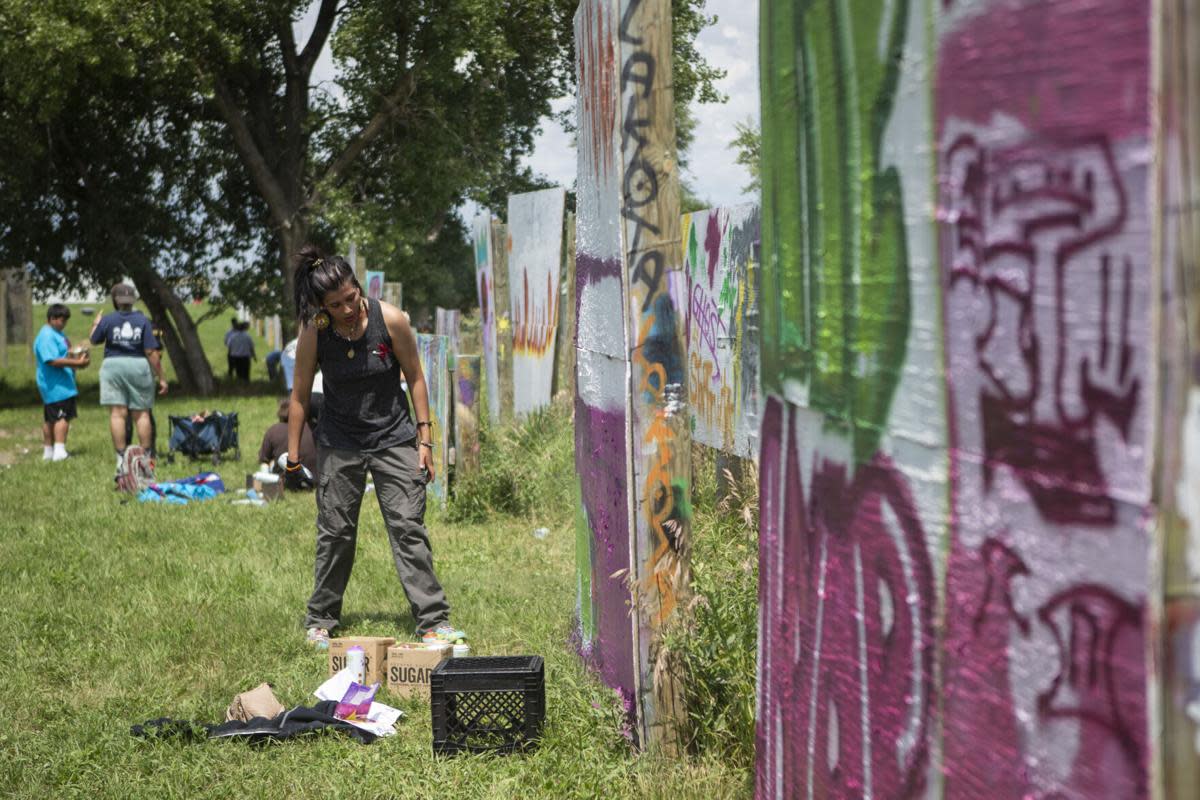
{"points": [[98, 178], [434, 102]]}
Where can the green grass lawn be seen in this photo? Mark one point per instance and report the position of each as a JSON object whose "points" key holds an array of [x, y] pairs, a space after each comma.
{"points": [[117, 612]]}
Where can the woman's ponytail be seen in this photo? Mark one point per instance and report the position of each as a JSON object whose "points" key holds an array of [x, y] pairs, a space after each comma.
{"points": [[307, 302], [317, 274]]}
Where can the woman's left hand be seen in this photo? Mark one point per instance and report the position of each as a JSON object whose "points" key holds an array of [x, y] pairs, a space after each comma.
{"points": [[425, 459]]}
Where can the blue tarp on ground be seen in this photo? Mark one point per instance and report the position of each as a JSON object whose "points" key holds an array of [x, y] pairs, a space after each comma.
{"points": [[203, 486]]}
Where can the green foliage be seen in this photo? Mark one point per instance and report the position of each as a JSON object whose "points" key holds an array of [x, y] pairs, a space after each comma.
{"points": [[526, 471], [717, 637], [748, 144]]}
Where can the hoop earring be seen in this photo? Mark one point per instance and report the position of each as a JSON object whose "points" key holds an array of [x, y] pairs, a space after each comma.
{"points": [[321, 320]]}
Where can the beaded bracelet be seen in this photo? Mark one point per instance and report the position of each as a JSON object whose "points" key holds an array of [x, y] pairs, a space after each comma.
{"points": [[426, 444]]}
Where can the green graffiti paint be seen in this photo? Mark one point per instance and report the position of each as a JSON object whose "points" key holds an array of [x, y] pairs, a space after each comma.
{"points": [[835, 299], [692, 245], [583, 569], [683, 498]]}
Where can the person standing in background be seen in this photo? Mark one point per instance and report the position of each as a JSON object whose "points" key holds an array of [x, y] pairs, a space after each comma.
{"points": [[132, 360], [233, 328], [56, 381], [241, 351]]}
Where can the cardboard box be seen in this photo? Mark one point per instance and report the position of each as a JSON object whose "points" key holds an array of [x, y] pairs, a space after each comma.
{"points": [[375, 648], [409, 665]]}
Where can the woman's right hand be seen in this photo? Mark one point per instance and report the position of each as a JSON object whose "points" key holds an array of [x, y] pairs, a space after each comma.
{"points": [[296, 476]]}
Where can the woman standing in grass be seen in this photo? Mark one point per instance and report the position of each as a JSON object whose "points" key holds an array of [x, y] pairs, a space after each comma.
{"points": [[361, 346]]}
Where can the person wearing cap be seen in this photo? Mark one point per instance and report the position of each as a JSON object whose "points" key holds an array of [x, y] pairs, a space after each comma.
{"points": [[132, 361], [56, 365]]}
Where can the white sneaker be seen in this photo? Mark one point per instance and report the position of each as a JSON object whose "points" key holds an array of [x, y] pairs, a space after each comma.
{"points": [[60, 455]]}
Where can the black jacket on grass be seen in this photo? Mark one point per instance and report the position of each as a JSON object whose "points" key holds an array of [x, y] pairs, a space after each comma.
{"points": [[289, 724]]}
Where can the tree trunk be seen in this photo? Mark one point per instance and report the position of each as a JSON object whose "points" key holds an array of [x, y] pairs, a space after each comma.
{"points": [[170, 338], [291, 240], [191, 358]]}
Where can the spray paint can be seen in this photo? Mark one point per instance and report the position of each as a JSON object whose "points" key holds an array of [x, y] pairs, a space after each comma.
{"points": [[356, 662]]}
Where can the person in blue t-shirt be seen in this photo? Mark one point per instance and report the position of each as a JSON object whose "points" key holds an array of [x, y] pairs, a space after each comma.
{"points": [[132, 360], [56, 365]]}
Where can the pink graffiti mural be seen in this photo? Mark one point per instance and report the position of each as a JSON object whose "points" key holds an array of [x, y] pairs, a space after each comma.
{"points": [[847, 645], [1021, 219], [1044, 248]]}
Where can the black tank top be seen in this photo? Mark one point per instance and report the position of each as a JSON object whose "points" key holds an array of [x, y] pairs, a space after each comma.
{"points": [[365, 407]]}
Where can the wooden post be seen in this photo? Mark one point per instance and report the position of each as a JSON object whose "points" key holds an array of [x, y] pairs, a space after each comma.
{"points": [[564, 370], [660, 434], [632, 416], [504, 327], [1179, 630]]}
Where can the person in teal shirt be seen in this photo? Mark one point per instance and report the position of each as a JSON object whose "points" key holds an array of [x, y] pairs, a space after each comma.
{"points": [[56, 381]]}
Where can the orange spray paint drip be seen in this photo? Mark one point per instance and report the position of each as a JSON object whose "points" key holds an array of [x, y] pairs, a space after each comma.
{"points": [[534, 327]]}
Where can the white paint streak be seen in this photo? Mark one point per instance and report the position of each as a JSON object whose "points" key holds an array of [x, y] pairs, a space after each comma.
{"points": [[1187, 490], [860, 619], [816, 662], [911, 602]]}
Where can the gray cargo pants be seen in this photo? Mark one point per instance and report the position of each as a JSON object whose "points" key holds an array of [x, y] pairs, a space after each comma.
{"points": [[401, 493]]}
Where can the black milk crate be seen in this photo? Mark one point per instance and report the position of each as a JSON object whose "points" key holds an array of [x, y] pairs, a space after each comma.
{"points": [[489, 704]]}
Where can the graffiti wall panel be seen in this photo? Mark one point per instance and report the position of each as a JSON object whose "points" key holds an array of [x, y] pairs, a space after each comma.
{"points": [[847, 666], [434, 351], [485, 282], [1045, 245], [604, 628], [535, 227], [466, 413], [853, 468], [719, 300]]}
